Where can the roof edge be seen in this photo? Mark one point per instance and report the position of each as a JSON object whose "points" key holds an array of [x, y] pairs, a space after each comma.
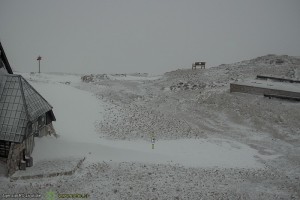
{"points": [[5, 60], [36, 91], [23, 97], [12, 75]]}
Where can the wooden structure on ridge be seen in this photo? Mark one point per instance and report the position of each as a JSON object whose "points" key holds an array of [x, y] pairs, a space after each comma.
{"points": [[201, 64]]}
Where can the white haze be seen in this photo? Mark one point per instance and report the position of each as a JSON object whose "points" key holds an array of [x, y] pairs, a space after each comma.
{"points": [[156, 36]]}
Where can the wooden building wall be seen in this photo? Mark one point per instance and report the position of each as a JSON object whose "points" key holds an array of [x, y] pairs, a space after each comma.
{"points": [[29, 145]]}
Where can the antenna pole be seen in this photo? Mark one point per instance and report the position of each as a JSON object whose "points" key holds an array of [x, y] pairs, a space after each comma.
{"points": [[39, 59]]}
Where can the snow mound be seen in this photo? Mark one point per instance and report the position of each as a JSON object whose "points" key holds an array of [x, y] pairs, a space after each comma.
{"points": [[98, 78], [187, 86], [273, 65], [94, 78], [271, 59]]}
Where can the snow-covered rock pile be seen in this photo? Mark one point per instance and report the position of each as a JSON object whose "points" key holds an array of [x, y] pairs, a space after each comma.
{"points": [[119, 75], [186, 86], [185, 75], [98, 78], [139, 74], [279, 66], [94, 78], [271, 59]]}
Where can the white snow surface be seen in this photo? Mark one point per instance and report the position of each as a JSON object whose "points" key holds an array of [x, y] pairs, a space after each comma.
{"points": [[210, 143], [77, 111]]}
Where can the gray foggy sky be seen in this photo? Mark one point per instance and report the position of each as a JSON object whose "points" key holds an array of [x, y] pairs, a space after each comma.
{"points": [[155, 36]]}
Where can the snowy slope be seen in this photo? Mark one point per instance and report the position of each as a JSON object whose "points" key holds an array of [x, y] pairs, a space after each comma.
{"points": [[78, 111], [210, 144]]}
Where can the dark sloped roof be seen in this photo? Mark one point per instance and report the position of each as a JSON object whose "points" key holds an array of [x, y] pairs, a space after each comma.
{"points": [[19, 103]]}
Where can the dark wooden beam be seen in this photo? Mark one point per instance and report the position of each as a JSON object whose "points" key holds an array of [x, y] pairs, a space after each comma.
{"points": [[282, 97], [277, 79]]}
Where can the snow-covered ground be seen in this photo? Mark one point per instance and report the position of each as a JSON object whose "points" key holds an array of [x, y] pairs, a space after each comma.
{"points": [[210, 144], [78, 111]]}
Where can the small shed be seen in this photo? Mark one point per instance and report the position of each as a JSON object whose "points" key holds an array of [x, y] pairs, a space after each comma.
{"points": [[24, 114]]}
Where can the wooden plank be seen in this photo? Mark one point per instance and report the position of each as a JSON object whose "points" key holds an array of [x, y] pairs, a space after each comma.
{"points": [[277, 79], [282, 97], [261, 89]]}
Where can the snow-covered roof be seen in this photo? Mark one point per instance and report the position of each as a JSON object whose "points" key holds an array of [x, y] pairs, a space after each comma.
{"points": [[19, 104]]}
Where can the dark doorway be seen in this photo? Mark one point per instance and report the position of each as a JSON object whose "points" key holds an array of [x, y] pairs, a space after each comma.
{"points": [[4, 148]]}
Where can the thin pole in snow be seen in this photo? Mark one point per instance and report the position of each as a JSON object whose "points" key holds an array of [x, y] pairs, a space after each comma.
{"points": [[39, 59], [153, 140]]}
